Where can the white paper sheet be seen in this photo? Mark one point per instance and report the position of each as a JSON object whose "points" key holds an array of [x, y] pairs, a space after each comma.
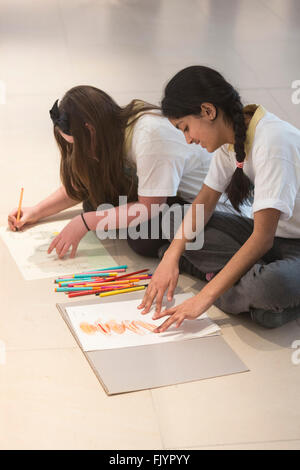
{"points": [[29, 250], [127, 310]]}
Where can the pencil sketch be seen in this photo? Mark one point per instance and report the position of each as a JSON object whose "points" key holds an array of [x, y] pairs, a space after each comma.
{"points": [[29, 249]]}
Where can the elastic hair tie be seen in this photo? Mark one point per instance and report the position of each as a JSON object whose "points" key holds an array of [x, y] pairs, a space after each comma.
{"points": [[239, 164], [83, 220]]}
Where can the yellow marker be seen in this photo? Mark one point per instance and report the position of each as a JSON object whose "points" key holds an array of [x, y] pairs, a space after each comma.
{"points": [[121, 291]]}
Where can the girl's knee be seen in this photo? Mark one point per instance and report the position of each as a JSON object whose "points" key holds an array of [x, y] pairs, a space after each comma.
{"points": [[273, 289], [274, 319]]}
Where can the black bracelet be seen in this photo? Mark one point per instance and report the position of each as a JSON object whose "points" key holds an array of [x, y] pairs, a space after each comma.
{"points": [[83, 220]]}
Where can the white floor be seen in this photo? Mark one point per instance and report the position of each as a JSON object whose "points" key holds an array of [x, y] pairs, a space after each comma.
{"points": [[49, 396]]}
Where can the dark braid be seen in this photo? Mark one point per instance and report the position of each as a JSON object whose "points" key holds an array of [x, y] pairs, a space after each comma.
{"points": [[184, 95], [239, 188]]}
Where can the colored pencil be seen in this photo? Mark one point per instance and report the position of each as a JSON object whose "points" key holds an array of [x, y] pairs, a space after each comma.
{"points": [[96, 283], [99, 282], [92, 274], [70, 279], [78, 294], [96, 270], [72, 289], [74, 279], [85, 279], [82, 276], [105, 286], [131, 274], [121, 291], [20, 205], [93, 288], [140, 276]]}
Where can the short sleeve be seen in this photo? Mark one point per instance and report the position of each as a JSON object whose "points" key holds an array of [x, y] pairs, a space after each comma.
{"points": [[276, 186], [220, 171], [160, 166]]}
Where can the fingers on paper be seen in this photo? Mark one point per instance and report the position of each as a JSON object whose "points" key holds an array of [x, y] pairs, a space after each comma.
{"points": [[159, 299], [63, 250], [74, 249], [62, 247], [59, 247], [174, 318], [53, 244], [164, 313], [148, 299], [171, 290]]}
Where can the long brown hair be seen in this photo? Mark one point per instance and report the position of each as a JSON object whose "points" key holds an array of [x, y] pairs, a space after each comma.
{"points": [[185, 93], [95, 166]]}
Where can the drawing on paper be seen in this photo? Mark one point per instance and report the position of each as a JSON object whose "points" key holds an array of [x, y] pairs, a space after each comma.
{"points": [[119, 324], [109, 327], [29, 249]]}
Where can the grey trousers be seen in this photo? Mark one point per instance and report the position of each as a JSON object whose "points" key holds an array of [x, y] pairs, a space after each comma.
{"points": [[272, 284]]}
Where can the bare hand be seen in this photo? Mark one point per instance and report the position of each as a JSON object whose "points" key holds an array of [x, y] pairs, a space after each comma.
{"points": [[165, 277], [28, 215], [69, 236], [190, 309]]}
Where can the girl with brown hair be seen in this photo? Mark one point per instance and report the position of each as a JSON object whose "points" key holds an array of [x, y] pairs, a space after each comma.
{"points": [[109, 151]]}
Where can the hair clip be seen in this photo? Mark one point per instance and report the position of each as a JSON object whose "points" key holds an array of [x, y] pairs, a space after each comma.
{"points": [[239, 164], [60, 119]]}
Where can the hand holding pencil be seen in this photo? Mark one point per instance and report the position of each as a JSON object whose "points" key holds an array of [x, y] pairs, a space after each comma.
{"points": [[27, 216], [20, 216]]}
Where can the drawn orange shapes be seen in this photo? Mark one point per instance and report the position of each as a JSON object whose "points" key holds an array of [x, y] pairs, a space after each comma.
{"points": [[130, 326], [143, 324], [119, 328], [116, 327], [88, 328], [104, 328]]}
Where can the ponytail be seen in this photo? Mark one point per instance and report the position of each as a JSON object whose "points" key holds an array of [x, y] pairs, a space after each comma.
{"points": [[184, 95]]}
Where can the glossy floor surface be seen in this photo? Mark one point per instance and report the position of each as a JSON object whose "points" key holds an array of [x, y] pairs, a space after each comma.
{"points": [[49, 396]]}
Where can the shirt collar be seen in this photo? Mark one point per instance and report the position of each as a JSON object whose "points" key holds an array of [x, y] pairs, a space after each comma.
{"points": [[259, 113]]}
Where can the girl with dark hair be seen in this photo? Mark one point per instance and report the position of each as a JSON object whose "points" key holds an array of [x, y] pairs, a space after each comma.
{"points": [[109, 151], [253, 264]]}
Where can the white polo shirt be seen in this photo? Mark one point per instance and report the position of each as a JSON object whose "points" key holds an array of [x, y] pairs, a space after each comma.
{"points": [[272, 163], [166, 164]]}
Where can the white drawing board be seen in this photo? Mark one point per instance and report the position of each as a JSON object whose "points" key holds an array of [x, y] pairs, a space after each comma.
{"points": [[120, 324], [127, 369]]}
